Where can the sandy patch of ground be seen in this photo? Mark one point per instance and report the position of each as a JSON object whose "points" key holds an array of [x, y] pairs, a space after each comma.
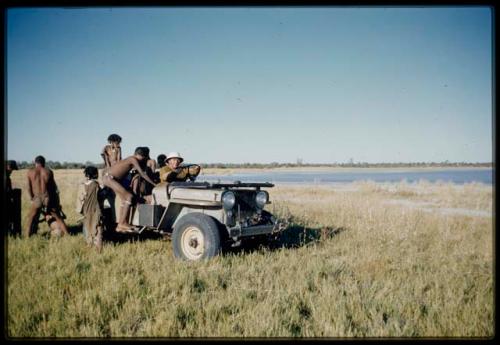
{"points": [[433, 207]]}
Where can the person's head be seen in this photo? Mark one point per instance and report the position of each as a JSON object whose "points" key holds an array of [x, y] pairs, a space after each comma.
{"points": [[114, 139], [161, 160], [11, 165], [146, 151], [91, 172], [141, 154], [174, 159], [40, 160]]}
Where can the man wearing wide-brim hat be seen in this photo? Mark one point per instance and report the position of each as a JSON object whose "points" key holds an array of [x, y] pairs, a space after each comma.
{"points": [[173, 171]]}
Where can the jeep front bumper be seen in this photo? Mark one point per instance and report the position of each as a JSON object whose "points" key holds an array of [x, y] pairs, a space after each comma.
{"points": [[254, 230]]}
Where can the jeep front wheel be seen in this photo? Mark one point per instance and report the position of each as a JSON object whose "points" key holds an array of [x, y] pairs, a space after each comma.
{"points": [[195, 237]]}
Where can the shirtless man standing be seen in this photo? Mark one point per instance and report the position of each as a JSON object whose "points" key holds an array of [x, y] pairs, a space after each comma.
{"points": [[112, 177], [112, 153], [44, 198]]}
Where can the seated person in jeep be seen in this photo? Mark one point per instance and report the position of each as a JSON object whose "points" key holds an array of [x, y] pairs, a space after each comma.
{"points": [[173, 171]]}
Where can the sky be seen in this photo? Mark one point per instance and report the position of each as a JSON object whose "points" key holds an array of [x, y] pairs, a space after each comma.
{"points": [[251, 84]]}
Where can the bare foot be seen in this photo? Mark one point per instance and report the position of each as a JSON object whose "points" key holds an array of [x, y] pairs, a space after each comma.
{"points": [[125, 228]]}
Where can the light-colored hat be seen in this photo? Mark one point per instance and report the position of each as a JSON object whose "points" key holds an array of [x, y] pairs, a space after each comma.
{"points": [[174, 155]]}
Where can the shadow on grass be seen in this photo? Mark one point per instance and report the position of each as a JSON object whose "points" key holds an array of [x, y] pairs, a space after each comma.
{"points": [[115, 237], [294, 236], [298, 235], [110, 235], [75, 229]]}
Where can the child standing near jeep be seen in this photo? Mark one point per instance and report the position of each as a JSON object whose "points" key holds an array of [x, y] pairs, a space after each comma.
{"points": [[91, 209]]}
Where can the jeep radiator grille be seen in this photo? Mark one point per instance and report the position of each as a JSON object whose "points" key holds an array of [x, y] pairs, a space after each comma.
{"points": [[246, 202], [245, 209]]}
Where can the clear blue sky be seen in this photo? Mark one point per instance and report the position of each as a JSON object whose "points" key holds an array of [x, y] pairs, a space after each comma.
{"points": [[252, 84]]}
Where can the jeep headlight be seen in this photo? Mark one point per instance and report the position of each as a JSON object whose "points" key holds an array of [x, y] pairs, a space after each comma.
{"points": [[228, 200], [261, 199]]}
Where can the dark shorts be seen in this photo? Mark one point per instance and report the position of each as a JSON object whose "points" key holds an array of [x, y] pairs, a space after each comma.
{"points": [[125, 181]]}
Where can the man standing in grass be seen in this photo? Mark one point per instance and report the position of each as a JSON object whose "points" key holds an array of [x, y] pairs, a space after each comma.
{"points": [[44, 196], [113, 177], [112, 153]]}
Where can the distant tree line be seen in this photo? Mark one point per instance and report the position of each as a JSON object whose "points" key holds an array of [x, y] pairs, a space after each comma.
{"points": [[58, 165], [76, 165]]}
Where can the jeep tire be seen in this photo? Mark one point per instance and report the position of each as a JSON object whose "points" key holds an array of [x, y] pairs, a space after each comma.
{"points": [[196, 237]]}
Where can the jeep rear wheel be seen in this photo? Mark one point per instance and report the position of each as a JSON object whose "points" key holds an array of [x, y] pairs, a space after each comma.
{"points": [[196, 237]]}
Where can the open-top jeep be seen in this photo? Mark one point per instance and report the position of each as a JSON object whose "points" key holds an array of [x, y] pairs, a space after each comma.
{"points": [[203, 217]]}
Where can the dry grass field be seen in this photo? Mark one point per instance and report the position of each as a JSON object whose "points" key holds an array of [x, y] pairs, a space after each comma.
{"points": [[366, 260]]}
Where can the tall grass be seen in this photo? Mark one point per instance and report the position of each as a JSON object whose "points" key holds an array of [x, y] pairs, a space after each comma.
{"points": [[350, 265]]}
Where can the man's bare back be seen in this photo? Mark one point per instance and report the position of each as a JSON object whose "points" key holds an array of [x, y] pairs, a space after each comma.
{"points": [[43, 193], [123, 167], [39, 179]]}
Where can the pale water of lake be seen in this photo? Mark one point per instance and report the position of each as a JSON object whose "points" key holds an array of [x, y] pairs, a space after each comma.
{"points": [[458, 176]]}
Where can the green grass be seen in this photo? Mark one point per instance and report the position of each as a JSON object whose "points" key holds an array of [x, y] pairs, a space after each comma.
{"points": [[352, 266]]}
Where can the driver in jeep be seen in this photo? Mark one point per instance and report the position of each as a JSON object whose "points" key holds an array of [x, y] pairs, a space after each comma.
{"points": [[173, 171]]}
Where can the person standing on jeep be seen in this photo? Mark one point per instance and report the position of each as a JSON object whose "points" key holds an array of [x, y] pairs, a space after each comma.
{"points": [[173, 171], [44, 198], [112, 153], [113, 177]]}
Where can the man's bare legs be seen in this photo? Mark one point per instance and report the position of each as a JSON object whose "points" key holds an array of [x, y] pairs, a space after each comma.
{"points": [[126, 198], [135, 184], [32, 221]]}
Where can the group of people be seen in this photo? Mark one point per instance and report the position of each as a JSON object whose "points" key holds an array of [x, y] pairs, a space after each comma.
{"points": [[132, 179]]}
